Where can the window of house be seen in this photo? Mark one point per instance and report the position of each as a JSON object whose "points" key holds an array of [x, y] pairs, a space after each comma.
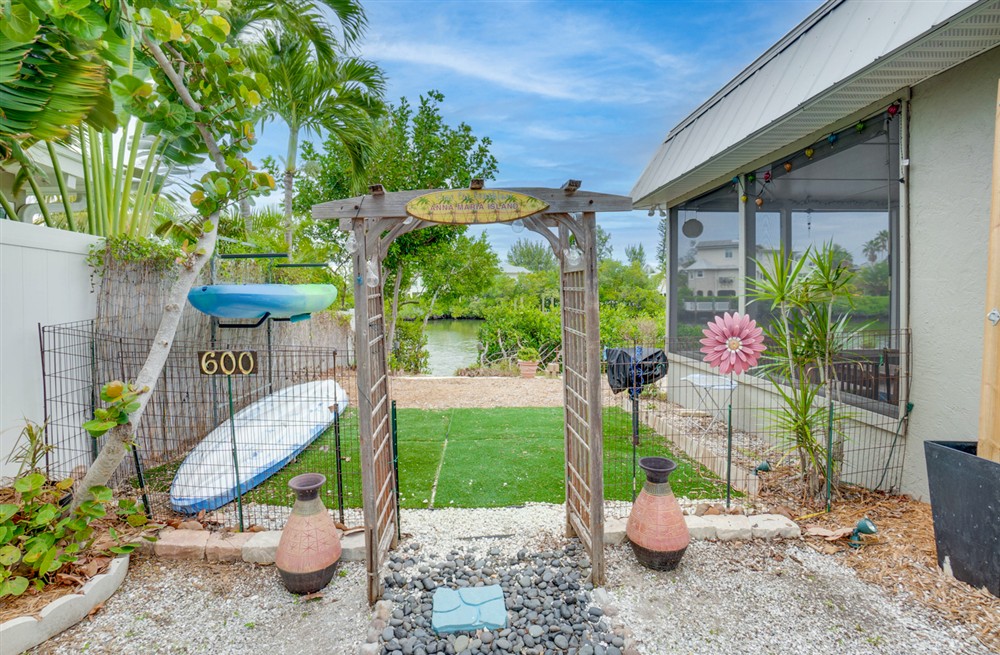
{"points": [[844, 193]]}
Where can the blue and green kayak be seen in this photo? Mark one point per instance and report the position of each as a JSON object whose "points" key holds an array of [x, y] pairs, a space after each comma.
{"points": [[292, 301]]}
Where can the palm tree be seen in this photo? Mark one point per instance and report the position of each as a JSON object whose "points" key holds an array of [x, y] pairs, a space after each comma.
{"points": [[876, 246], [301, 17], [342, 96]]}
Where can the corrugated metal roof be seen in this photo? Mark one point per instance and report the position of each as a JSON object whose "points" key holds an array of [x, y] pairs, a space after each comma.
{"points": [[846, 56]]}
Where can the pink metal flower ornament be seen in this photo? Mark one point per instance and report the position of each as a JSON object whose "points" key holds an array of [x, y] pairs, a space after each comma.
{"points": [[732, 343]]}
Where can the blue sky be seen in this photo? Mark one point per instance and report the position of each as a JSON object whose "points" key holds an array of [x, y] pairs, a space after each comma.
{"points": [[584, 89]]}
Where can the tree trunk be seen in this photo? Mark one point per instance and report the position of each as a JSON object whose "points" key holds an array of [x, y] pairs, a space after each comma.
{"points": [[116, 441], [118, 438], [245, 209], [293, 148], [430, 310]]}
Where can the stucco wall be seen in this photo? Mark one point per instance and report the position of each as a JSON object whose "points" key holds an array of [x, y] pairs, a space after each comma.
{"points": [[44, 279], [951, 159]]}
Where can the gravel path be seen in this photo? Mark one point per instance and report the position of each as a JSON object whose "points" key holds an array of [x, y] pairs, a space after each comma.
{"points": [[426, 392], [773, 598]]}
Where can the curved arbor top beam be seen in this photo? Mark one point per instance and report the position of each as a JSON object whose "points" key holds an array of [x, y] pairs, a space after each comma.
{"points": [[392, 204]]}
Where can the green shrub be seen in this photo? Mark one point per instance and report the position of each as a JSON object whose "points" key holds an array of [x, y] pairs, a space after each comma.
{"points": [[500, 369], [864, 306], [409, 353], [37, 537], [621, 325], [528, 354], [508, 328]]}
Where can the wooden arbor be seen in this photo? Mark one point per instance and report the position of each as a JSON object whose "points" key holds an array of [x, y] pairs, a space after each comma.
{"points": [[376, 220]]}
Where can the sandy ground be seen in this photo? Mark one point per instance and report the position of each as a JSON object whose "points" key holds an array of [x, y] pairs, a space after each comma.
{"points": [[425, 392]]}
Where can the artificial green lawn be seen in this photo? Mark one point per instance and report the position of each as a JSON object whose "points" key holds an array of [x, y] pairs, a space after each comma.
{"points": [[493, 458], [509, 456]]}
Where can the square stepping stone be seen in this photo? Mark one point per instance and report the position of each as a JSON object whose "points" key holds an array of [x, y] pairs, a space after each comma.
{"points": [[468, 608]]}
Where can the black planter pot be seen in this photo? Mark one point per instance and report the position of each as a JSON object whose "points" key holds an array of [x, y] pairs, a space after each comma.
{"points": [[965, 503]]}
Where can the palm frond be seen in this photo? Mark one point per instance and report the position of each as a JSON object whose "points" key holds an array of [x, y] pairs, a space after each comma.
{"points": [[50, 85]]}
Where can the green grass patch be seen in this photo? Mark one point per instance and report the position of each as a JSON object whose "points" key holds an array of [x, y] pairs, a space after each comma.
{"points": [[418, 462], [689, 479], [500, 457], [494, 458]]}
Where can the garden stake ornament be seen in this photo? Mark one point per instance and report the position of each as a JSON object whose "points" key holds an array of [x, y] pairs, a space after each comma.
{"points": [[733, 344]]}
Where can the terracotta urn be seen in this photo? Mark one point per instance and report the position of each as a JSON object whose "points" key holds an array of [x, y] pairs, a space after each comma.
{"points": [[528, 368], [656, 525], [310, 543]]}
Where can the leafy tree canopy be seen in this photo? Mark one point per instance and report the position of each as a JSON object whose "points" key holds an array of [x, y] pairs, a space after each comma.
{"points": [[635, 254], [533, 255], [411, 149]]}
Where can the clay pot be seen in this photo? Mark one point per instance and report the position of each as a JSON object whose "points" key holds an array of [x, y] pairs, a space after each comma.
{"points": [[656, 525], [528, 369], [310, 544]]}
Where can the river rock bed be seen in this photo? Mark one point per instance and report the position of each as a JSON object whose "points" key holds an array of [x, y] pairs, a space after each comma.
{"points": [[549, 602]]}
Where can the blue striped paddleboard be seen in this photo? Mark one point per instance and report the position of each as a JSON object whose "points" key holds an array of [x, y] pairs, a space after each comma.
{"points": [[268, 434]]}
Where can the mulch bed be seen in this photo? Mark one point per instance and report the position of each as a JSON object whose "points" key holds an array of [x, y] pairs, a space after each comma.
{"points": [[901, 558]]}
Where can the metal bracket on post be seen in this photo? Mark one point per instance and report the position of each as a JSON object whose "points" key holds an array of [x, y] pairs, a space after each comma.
{"points": [[994, 316]]}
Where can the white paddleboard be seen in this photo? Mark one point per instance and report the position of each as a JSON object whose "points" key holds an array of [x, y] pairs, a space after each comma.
{"points": [[269, 433]]}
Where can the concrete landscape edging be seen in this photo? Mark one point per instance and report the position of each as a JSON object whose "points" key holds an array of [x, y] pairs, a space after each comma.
{"points": [[24, 632], [252, 547], [260, 547], [724, 527]]}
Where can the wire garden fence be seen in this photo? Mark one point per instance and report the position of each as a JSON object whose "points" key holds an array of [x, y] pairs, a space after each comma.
{"points": [[223, 416], [724, 431], [720, 430]]}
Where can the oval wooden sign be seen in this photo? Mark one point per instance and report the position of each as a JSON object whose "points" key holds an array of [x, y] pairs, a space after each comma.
{"points": [[467, 206]]}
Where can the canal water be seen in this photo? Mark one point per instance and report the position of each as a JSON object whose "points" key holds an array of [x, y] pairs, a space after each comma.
{"points": [[451, 345]]}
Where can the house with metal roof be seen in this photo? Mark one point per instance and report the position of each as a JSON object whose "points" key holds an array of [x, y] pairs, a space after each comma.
{"points": [[870, 125]]}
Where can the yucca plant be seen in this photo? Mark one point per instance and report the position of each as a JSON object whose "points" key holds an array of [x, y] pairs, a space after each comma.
{"points": [[808, 339]]}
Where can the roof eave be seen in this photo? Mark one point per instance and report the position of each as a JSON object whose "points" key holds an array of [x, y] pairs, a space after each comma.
{"points": [[865, 92]]}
